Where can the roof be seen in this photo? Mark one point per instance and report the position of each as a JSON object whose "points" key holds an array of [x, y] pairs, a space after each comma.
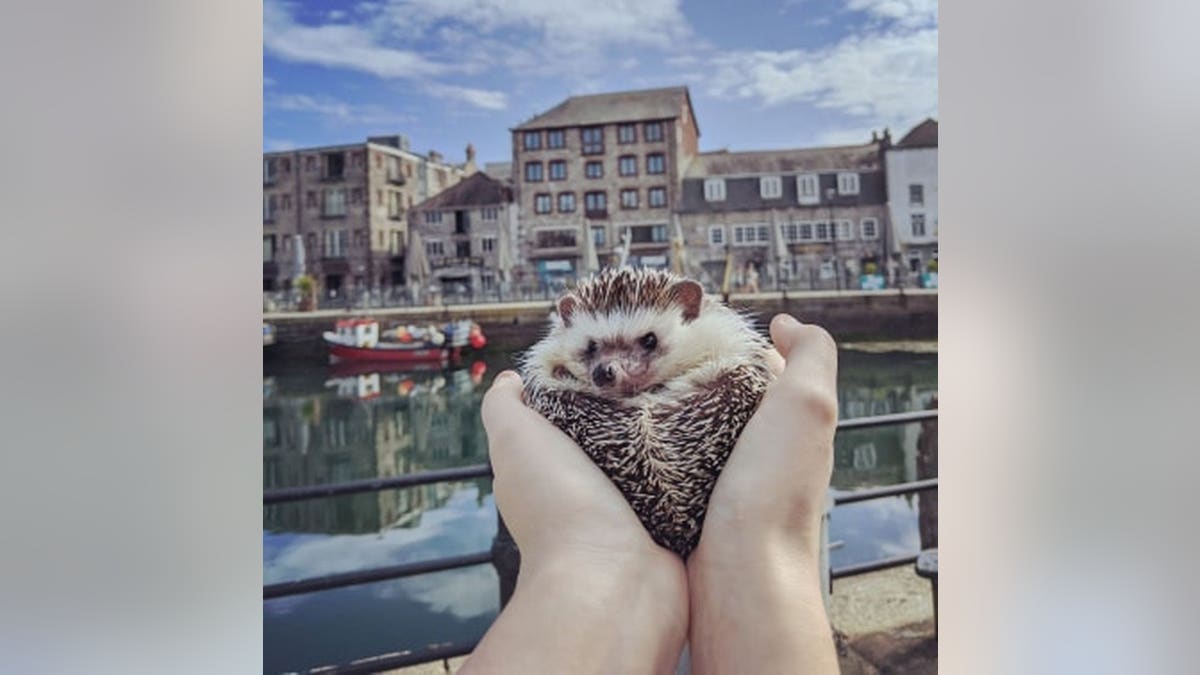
{"points": [[646, 104], [478, 189], [924, 135], [725, 163]]}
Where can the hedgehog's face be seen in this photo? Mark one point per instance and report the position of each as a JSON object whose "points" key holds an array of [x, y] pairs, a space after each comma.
{"points": [[625, 353]]}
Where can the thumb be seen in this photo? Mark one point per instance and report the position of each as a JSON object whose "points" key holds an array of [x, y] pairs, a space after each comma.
{"points": [[502, 404], [808, 350]]}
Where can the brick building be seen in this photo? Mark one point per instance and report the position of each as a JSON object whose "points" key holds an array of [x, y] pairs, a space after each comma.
{"points": [[808, 218], [343, 210], [601, 166], [469, 233]]}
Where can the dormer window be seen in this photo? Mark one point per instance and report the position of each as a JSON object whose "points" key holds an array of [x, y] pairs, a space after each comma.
{"points": [[847, 183], [770, 187], [807, 190], [714, 189]]}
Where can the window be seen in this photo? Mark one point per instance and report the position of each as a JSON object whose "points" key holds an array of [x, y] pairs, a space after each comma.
{"points": [[268, 208], [716, 235], [533, 140], [791, 232], [268, 171], [541, 203], [627, 165], [822, 232], [336, 243], [594, 169], [489, 213], [629, 199], [357, 160], [395, 242], [554, 239], [310, 163], [654, 131], [310, 199], [556, 139], [356, 196], [596, 203], [847, 183], [870, 228], [770, 187], [918, 224], [334, 165], [647, 234], [656, 163], [335, 202], [627, 133], [462, 249], [714, 189], [751, 235], [286, 165], [845, 230], [533, 172], [916, 195], [432, 217], [558, 170], [487, 244], [435, 247], [394, 174], [598, 235], [287, 202], [656, 197], [394, 211], [805, 232], [593, 140], [807, 188], [268, 248], [566, 202]]}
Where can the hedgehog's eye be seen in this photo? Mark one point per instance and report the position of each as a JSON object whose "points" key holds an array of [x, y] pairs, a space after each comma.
{"points": [[649, 341], [592, 347]]}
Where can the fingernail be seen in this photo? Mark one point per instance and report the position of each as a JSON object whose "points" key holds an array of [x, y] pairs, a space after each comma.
{"points": [[790, 320], [507, 375]]}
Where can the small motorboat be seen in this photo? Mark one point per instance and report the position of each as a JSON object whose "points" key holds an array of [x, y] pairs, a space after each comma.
{"points": [[361, 340]]}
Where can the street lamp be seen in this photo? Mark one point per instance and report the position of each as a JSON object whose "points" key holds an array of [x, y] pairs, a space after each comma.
{"points": [[830, 193]]}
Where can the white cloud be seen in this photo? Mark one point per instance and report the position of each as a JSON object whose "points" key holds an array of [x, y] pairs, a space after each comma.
{"points": [[278, 145], [907, 13], [334, 110], [882, 79], [336, 15], [480, 98], [338, 46]]}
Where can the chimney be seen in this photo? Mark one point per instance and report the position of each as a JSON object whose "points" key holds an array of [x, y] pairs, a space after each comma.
{"points": [[435, 156], [470, 167]]}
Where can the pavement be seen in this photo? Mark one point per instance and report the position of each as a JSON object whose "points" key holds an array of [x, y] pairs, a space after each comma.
{"points": [[885, 622]]}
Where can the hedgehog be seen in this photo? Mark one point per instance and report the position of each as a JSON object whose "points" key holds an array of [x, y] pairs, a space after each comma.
{"points": [[655, 382]]}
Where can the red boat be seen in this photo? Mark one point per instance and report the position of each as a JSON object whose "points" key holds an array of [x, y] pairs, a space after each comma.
{"points": [[359, 340]]}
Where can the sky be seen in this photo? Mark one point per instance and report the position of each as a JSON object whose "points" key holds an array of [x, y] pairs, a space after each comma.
{"points": [[762, 73]]}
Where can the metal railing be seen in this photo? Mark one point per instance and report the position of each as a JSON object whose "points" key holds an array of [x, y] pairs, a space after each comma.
{"points": [[448, 650]]}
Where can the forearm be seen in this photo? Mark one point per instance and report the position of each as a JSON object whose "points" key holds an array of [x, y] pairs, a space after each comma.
{"points": [[625, 616], [757, 608]]}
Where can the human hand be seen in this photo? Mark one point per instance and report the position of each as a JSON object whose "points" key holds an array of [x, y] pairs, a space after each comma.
{"points": [[754, 578], [594, 593]]}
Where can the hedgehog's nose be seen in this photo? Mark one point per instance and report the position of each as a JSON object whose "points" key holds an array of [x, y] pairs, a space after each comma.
{"points": [[604, 374]]}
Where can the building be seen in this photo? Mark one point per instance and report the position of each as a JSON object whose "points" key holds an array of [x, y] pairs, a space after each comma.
{"points": [[804, 218], [602, 166], [469, 233], [339, 212], [912, 179]]}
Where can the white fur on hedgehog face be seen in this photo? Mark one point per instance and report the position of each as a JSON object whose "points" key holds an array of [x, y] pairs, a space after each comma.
{"points": [[683, 353]]}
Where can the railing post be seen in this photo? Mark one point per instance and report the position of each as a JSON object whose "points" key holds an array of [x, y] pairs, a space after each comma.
{"points": [[824, 566], [506, 559]]}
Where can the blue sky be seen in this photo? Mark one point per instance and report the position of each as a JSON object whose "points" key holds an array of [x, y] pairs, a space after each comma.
{"points": [[762, 73]]}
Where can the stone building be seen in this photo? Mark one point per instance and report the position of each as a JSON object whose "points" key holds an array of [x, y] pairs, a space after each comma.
{"points": [[803, 218], [601, 166], [340, 212], [912, 178], [469, 233]]}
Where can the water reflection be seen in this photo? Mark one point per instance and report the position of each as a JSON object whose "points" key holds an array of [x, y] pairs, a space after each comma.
{"points": [[323, 425]]}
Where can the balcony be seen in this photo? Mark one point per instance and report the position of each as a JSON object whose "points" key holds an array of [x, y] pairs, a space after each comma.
{"points": [[331, 177], [396, 179], [596, 214], [331, 215], [399, 216]]}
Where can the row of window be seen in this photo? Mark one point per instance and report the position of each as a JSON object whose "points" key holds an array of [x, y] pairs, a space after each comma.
{"points": [[771, 187], [485, 213], [332, 202], [597, 202], [592, 138], [462, 249], [333, 166], [566, 238], [627, 165], [760, 234]]}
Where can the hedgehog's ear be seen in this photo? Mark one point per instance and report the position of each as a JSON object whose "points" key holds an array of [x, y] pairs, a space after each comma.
{"points": [[566, 307], [688, 294]]}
